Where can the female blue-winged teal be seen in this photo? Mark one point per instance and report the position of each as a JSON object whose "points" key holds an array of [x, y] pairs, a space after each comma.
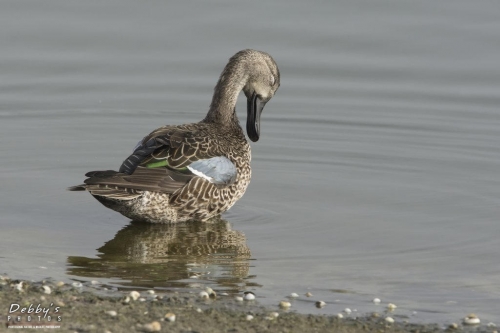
{"points": [[193, 171]]}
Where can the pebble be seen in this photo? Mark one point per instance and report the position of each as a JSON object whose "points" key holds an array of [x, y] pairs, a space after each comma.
{"points": [[59, 284], [340, 315], [126, 300], [308, 294], [152, 327], [490, 324], [320, 304], [471, 319], [42, 298], [77, 284], [224, 294], [249, 296], [211, 293], [249, 317], [170, 317], [274, 314], [285, 305], [134, 295], [142, 299], [347, 310], [151, 292], [19, 286], [239, 299], [376, 300], [204, 295], [294, 295], [94, 282], [112, 313], [46, 290], [199, 310], [391, 307], [453, 326], [390, 320]]}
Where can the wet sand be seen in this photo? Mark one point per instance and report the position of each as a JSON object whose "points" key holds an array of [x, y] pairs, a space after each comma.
{"points": [[95, 308]]}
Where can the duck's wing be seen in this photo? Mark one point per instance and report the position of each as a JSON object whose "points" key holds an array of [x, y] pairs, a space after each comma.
{"points": [[177, 146], [164, 161]]}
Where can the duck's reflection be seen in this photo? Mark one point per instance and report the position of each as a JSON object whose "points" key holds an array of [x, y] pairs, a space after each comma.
{"points": [[176, 255]]}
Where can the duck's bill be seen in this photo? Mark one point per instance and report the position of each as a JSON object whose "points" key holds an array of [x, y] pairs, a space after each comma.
{"points": [[254, 108]]}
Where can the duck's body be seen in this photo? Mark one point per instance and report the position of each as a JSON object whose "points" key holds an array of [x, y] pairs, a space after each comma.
{"points": [[194, 171]]}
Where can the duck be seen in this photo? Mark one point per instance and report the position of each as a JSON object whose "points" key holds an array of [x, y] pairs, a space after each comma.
{"points": [[197, 171]]}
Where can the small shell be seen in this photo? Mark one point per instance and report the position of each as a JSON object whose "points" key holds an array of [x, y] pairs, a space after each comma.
{"points": [[142, 299], [239, 299], [347, 310], [199, 310], [376, 301], [42, 298], [490, 324], [211, 293], [308, 294], [391, 307], [46, 289], [19, 286], [274, 314], [204, 295], [94, 282], [471, 319], [77, 284], [249, 317], [320, 304], [112, 313], [453, 326], [151, 292], [134, 295], [249, 296], [340, 315], [59, 284], [390, 320], [170, 317], [126, 300], [153, 327], [285, 305], [294, 295]]}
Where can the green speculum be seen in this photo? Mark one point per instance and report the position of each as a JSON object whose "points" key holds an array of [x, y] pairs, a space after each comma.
{"points": [[164, 163], [158, 164]]}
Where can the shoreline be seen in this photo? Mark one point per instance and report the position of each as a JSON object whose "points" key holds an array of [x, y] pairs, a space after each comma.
{"points": [[95, 308]]}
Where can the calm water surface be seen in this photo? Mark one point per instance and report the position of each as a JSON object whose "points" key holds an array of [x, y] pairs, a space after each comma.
{"points": [[377, 172]]}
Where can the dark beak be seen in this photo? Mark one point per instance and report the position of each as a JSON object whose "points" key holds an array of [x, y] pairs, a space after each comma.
{"points": [[254, 108]]}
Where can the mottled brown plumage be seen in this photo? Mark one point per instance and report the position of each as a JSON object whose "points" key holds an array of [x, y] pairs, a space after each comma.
{"points": [[193, 171]]}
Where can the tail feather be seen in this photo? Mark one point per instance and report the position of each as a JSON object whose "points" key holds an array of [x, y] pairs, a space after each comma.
{"points": [[77, 188]]}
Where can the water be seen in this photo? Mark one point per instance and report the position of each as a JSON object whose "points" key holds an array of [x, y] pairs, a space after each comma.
{"points": [[376, 174]]}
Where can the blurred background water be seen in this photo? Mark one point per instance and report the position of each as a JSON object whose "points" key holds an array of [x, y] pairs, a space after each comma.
{"points": [[377, 172]]}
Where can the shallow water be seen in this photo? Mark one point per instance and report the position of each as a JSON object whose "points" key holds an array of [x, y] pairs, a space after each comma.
{"points": [[377, 172]]}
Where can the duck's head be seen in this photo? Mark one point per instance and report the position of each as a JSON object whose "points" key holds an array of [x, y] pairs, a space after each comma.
{"points": [[262, 82]]}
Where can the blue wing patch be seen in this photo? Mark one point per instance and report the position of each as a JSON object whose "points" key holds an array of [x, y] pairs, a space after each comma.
{"points": [[218, 170]]}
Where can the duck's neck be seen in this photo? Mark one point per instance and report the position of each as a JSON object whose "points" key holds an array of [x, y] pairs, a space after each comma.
{"points": [[222, 109]]}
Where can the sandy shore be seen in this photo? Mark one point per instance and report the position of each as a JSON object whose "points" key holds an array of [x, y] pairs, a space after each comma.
{"points": [[93, 308]]}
